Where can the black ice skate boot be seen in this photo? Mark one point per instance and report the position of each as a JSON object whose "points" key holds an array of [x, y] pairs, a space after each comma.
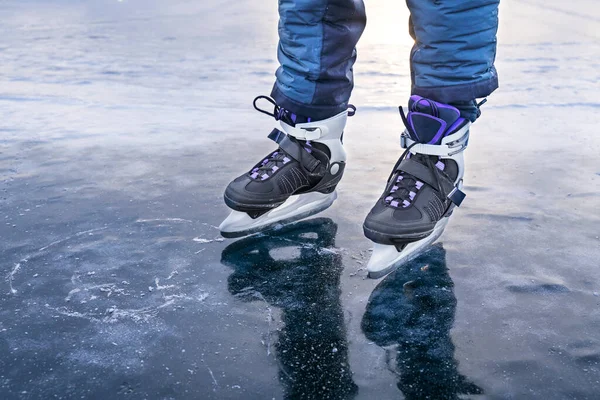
{"points": [[423, 187], [295, 181]]}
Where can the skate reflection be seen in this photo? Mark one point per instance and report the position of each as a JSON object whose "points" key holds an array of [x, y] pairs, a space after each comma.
{"points": [[297, 270], [413, 309]]}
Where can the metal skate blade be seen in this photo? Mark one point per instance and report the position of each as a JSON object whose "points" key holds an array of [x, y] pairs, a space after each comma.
{"points": [[385, 258], [298, 207]]}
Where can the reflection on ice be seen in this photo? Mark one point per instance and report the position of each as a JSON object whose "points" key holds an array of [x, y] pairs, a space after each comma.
{"points": [[412, 311], [290, 271]]}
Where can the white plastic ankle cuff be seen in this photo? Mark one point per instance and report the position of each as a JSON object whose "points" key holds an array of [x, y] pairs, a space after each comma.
{"points": [[333, 126], [451, 144]]}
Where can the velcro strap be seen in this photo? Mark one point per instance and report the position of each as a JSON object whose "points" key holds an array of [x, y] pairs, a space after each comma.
{"points": [[294, 150], [457, 196], [422, 173], [276, 135]]}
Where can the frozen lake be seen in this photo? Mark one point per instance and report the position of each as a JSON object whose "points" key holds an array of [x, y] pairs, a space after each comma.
{"points": [[122, 122]]}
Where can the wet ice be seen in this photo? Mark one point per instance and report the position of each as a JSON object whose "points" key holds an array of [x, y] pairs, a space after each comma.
{"points": [[115, 124]]}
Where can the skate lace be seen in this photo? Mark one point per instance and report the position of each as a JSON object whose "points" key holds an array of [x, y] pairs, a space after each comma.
{"points": [[403, 187], [271, 164], [274, 161], [281, 114], [277, 113]]}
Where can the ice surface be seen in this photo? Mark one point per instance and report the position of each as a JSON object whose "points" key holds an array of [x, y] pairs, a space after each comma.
{"points": [[120, 127]]}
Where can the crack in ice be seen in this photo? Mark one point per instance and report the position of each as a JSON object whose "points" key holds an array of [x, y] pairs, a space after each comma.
{"points": [[17, 268]]}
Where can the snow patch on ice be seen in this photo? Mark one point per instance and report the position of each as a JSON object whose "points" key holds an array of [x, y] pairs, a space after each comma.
{"points": [[140, 221], [172, 274], [162, 287], [210, 226], [11, 276], [205, 241]]}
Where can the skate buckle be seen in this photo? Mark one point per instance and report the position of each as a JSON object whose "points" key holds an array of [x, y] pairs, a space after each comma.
{"points": [[403, 141], [312, 133], [457, 196]]}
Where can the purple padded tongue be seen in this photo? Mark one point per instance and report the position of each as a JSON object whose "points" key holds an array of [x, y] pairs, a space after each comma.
{"points": [[431, 121]]}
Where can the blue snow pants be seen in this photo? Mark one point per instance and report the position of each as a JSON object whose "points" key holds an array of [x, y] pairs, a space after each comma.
{"points": [[452, 60]]}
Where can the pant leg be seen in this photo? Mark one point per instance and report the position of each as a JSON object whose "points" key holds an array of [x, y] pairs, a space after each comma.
{"points": [[317, 40], [452, 60]]}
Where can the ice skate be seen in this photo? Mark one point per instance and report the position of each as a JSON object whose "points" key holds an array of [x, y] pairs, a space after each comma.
{"points": [[423, 188], [295, 181]]}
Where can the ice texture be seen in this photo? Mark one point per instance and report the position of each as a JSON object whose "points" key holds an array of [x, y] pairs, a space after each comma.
{"points": [[123, 121]]}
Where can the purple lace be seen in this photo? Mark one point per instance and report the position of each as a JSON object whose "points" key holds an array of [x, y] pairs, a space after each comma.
{"points": [[269, 165], [405, 189], [273, 162]]}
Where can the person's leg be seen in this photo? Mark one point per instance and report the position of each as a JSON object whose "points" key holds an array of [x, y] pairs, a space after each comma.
{"points": [[310, 100], [316, 53], [452, 61], [452, 64]]}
